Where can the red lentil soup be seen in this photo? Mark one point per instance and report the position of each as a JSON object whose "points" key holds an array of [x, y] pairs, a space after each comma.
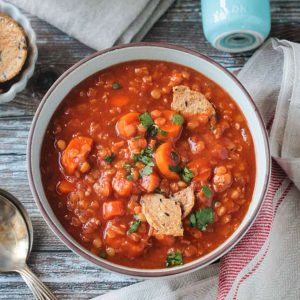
{"points": [[148, 164]]}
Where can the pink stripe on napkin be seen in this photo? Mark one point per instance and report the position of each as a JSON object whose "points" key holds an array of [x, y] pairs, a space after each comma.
{"points": [[250, 247]]}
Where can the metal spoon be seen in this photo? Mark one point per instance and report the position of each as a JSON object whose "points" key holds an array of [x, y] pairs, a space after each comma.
{"points": [[16, 236]]}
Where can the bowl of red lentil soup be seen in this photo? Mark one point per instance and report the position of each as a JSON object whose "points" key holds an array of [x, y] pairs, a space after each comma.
{"points": [[148, 159]]}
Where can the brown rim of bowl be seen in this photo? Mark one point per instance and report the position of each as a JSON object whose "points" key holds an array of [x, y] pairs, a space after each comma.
{"points": [[145, 273]]}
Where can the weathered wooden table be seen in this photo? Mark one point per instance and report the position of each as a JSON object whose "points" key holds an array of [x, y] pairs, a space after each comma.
{"points": [[69, 276]]}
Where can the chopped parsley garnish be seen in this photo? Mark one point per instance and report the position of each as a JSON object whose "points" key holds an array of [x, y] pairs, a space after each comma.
{"points": [[103, 254], [136, 157], [116, 86], [134, 225], [129, 174], [148, 169], [148, 151], [201, 218], [109, 158], [158, 191], [162, 132], [146, 157], [174, 156], [151, 131], [176, 169], [185, 173], [129, 177], [146, 119], [174, 259], [178, 119], [206, 191], [127, 167]]}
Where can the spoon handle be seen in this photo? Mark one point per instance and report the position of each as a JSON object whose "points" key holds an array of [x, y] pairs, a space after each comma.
{"points": [[39, 290]]}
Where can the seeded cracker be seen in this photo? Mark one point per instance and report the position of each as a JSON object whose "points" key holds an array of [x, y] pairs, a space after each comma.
{"points": [[191, 102], [13, 48], [186, 198], [162, 214]]}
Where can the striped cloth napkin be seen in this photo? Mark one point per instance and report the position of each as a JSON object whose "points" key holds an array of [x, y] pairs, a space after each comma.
{"points": [[266, 262]]}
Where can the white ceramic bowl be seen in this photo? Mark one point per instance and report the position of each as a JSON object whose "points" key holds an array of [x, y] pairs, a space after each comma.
{"points": [[28, 68], [107, 58]]}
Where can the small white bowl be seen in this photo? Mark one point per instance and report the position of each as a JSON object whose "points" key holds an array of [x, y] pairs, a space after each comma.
{"points": [[29, 65], [148, 51]]}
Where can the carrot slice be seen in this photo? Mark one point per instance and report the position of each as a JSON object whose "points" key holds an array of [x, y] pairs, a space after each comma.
{"points": [[113, 209], [164, 159], [78, 147], [126, 127], [119, 100], [150, 182], [173, 131], [65, 187]]}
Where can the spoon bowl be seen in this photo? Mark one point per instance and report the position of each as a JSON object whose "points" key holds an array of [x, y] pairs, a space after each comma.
{"points": [[16, 237], [15, 232]]}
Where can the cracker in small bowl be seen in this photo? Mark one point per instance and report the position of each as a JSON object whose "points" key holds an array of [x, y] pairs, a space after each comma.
{"points": [[13, 48]]}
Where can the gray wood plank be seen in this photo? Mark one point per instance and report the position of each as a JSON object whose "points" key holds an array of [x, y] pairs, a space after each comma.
{"points": [[66, 274]]}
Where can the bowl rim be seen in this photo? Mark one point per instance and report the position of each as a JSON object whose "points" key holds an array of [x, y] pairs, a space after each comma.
{"points": [[147, 273]]}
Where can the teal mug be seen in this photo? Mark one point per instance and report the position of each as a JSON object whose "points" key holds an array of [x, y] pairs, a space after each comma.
{"points": [[236, 25]]}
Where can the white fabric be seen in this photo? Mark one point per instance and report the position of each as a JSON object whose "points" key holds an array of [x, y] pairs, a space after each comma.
{"points": [[271, 76], [99, 23], [278, 276], [203, 283]]}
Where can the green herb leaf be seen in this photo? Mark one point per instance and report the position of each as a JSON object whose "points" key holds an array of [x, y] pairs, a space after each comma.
{"points": [[201, 218], [176, 169], [162, 132], [145, 159], [206, 191], [193, 220], [187, 174], [129, 175], [174, 156], [116, 86], [109, 158], [145, 156], [103, 254], [174, 259], [178, 119], [135, 157], [146, 119], [158, 191], [134, 225], [148, 169], [148, 151], [127, 167], [151, 131]]}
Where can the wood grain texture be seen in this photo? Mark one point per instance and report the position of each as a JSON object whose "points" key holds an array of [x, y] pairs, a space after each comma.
{"points": [[69, 276]]}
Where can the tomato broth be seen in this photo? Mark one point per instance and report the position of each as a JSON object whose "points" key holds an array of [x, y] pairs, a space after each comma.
{"points": [[122, 146]]}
